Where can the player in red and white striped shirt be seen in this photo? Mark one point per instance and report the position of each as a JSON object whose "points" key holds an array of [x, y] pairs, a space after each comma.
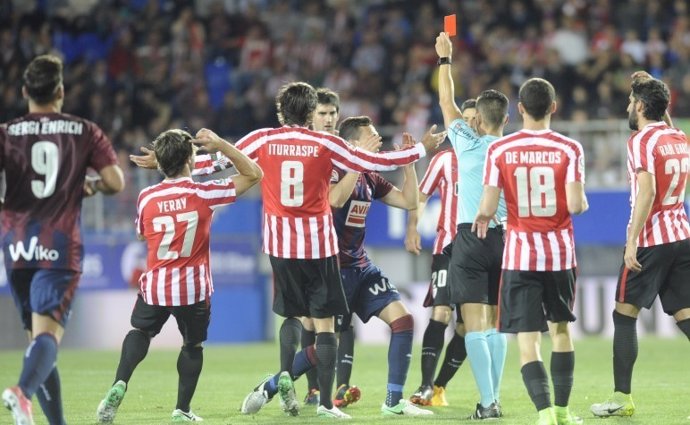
{"points": [[441, 175], [657, 252], [541, 173], [174, 218], [298, 231]]}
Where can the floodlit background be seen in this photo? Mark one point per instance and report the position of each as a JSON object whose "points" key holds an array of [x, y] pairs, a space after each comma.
{"points": [[137, 67]]}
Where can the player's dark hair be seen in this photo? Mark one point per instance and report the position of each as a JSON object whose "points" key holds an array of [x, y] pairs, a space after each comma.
{"points": [[42, 78], [654, 95], [172, 149], [492, 105], [350, 127], [468, 104], [537, 95], [296, 103], [328, 97]]}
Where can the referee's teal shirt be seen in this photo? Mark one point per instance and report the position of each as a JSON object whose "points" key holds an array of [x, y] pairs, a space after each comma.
{"points": [[470, 148]]}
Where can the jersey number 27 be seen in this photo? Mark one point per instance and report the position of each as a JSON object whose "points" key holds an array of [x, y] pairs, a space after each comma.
{"points": [[166, 224]]}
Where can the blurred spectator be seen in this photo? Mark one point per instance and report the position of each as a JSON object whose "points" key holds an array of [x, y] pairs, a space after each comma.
{"points": [[136, 67]]}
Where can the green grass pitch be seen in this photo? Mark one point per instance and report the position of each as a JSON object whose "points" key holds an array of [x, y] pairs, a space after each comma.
{"points": [[230, 372]]}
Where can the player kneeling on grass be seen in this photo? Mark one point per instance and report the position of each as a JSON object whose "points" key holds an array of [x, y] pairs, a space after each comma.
{"points": [[174, 217]]}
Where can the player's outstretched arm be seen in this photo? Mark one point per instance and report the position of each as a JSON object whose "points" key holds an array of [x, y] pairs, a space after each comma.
{"points": [[349, 158], [431, 140], [147, 160], [446, 88], [249, 172], [341, 188], [408, 197]]}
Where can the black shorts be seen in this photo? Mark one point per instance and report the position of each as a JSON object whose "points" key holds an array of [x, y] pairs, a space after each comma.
{"points": [[529, 299], [192, 320], [309, 288], [665, 272], [475, 266], [439, 290]]}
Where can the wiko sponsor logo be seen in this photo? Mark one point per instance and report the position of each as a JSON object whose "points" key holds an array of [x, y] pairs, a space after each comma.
{"points": [[33, 252]]}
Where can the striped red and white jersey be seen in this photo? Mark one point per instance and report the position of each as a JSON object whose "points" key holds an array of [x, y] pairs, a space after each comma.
{"points": [[533, 169], [663, 151], [205, 164], [174, 217], [442, 175], [297, 164]]}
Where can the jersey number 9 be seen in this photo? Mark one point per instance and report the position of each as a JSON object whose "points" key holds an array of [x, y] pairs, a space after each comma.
{"points": [[44, 161]]}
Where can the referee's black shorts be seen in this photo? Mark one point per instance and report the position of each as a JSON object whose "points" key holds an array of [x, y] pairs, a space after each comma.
{"points": [[475, 266]]}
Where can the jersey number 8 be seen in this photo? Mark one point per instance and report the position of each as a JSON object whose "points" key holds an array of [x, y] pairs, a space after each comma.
{"points": [[292, 183]]}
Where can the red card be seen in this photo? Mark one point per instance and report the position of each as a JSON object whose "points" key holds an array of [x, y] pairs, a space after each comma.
{"points": [[450, 25]]}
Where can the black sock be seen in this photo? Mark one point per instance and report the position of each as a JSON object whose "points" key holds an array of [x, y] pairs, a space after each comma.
{"points": [[537, 384], [684, 325], [455, 356], [624, 351], [308, 339], [289, 336], [134, 349], [432, 343], [326, 351], [346, 356], [562, 368], [189, 364], [50, 399]]}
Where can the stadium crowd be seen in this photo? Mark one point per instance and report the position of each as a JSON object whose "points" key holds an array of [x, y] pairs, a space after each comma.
{"points": [[138, 67]]}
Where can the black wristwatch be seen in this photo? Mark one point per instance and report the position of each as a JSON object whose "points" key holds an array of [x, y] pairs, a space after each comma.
{"points": [[443, 61]]}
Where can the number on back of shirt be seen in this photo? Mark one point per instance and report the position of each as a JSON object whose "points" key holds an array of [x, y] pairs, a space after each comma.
{"points": [[536, 191], [676, 168], [292, 183], [166, 224], [44, 161]]}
